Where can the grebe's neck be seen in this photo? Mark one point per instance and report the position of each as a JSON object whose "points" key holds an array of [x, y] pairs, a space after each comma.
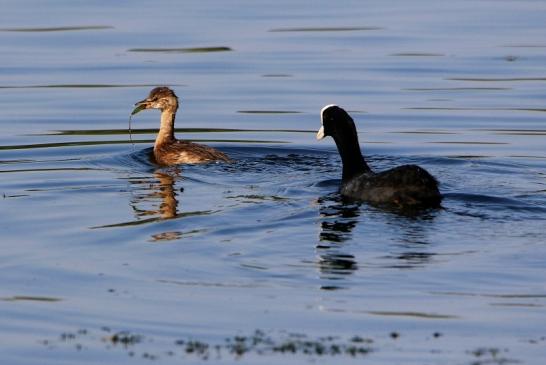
{"points": [[166, 129]]}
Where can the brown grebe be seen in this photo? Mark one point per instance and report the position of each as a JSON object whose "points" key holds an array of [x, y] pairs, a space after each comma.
{"points": [[403, 186], [167, 149]]}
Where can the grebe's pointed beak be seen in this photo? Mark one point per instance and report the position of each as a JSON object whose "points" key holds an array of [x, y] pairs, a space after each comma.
{"points": [[320, 133], [141, 105]]}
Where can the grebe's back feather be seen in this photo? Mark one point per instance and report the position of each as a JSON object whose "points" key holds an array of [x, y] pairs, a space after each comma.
{"points": [[180, 152]]}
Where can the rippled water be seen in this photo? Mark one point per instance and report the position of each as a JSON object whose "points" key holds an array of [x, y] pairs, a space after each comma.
{"points": [[109, 258]]}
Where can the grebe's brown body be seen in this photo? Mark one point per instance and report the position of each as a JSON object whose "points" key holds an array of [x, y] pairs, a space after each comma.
{"points": [[167, 149]]}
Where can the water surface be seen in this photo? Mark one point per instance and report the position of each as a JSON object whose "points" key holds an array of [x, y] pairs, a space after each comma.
{"points": [[109, 258]]}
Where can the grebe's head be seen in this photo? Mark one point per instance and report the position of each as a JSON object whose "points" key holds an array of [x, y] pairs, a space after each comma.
{"points": [[159, 98], [335, 122]]}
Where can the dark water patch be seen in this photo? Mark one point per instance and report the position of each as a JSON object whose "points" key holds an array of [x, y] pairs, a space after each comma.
{"points": [[511, 58], [417, 54], [328, 183], [460, 160], [331, 287], [495, 208], [257, 198], [254, 266], [277, 75], [258, 160], [517, 132], [411, 260], [413, 314], [83, 86], [181, 50], [58, 29], [30, 298], [16, 162], [136, 161], [517, 305], [209, 284], [496, 79], [337, 264], [324, 29], [11, 196], [457, 89], [69, 144], [522, 133], [516, 296]]}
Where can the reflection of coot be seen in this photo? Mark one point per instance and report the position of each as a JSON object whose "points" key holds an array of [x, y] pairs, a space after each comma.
{"points": [[340, 216], [337, 264], [339, 219], [403, 186], [413, 259]]}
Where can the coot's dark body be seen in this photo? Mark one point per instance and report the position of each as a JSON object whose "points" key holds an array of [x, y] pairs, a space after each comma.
{"points": [[404, 186], [407, 185]]}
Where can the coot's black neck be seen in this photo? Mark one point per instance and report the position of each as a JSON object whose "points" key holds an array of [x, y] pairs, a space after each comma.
{"points": [[351, 157]]}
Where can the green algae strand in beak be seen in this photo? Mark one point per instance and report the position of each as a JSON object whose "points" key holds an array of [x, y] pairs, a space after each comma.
{"points": [[138, 108]]}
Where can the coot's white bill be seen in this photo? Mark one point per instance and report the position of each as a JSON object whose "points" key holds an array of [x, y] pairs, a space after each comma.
{"points": [[320, 133]]}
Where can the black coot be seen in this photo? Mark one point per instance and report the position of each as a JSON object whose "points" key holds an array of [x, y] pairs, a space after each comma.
{"points": [[403, 186]]}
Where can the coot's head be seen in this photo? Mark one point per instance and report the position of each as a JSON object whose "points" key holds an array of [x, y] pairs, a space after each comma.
{"points": [[159, 98], [336, 122]]}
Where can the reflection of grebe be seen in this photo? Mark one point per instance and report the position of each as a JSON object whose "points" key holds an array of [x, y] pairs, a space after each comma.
{"points": [[167, 208], [167, 149], [160, 193]]}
